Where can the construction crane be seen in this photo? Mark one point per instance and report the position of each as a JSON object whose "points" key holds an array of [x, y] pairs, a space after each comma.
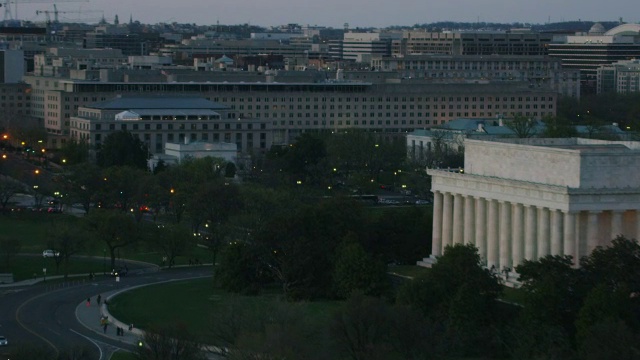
{"points": [[7, 6], [55, 13]]}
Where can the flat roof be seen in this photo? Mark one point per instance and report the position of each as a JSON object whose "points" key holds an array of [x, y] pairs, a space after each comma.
{"points": [[156, 102]]}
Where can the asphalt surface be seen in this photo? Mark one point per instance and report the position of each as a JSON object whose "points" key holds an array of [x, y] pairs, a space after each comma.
{"points": [[56, 316]]}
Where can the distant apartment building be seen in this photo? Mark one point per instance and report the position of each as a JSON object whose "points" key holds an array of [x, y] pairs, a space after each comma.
{"points": [[587, 52], [11, 66], [621, 77], [31, 40], [119, 37], [536, 70], [513, 42], [293, 107], [58, 61], [186, 51], [15, 104], [158, 120], [360, 47]]}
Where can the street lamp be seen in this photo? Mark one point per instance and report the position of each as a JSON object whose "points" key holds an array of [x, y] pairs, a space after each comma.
{"points": [[104, 261]]}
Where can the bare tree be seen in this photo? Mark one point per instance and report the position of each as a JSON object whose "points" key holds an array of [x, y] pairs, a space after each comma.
{"points": [[522, 127], [172, 341], [68, 239], [8, 188]]}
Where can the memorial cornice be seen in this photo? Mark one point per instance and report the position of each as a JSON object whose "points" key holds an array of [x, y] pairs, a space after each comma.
{"points": [[536, 194]]}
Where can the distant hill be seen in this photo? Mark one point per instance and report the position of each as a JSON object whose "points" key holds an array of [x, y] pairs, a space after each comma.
{"points": [[566, 26]]}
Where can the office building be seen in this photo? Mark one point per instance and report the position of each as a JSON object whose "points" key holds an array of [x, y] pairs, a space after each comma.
{"points": [[588, 51], [293, 107], [158, 120], [622, 77], [514, 42], [536, 70]]}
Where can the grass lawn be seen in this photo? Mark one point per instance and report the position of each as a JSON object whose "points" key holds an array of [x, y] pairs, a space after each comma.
{"points": [[123, 355], [196, 303], [408, 270], [32, 229], [24, 267], [513, 295]]}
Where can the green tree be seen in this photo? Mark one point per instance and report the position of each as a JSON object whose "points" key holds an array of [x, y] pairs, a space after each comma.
{"points": [[299, 247], [554, 290], [611, 338], [238, 271], [558, 127], [355, 270], [602, 304], [214, 202], [616, 265], [122, 148], [306, 157], [74, 152], [361, 328]]}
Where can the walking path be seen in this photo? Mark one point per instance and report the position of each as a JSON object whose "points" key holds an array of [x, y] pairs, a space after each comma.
{"points": [[91, 316]]}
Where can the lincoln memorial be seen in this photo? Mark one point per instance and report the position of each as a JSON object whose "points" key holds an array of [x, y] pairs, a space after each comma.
{"points": [[526, 198]]}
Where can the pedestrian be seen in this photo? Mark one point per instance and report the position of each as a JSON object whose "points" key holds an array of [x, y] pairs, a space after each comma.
{"points": [[130, 327], [105, 327], [88, 301], [98, 299]]}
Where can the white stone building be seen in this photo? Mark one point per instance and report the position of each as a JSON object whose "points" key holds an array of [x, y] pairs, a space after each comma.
{"points": [[527, 198]]}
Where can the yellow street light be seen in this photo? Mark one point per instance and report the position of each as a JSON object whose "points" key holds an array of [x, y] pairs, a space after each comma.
{"points": [[37, 171]]}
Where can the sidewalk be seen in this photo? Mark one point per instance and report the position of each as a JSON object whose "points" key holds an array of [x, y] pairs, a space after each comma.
{"points": [[90, 316]]}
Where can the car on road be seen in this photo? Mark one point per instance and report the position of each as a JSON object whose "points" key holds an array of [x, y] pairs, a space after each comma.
{"points": [[50, 253], [121, 271], [3, 341]]}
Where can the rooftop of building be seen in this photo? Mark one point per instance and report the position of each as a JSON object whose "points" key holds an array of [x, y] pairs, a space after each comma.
{"points": [[157, 102]]}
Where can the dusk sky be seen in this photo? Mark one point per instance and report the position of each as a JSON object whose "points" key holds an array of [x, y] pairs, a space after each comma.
{"points": [[355, 12]]}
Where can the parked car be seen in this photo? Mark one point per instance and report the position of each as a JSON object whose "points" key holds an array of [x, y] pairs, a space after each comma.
{"points": [[3, 341], [50, 253]]}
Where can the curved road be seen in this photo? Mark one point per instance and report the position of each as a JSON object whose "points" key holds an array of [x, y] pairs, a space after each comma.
{"points": [[44, 314]]}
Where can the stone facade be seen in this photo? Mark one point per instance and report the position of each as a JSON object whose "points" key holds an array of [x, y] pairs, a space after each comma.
{"points": [[523, 199]]}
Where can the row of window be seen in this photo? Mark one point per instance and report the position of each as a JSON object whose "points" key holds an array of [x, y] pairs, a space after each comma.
{"points": [[128, 126], [377, 100]]}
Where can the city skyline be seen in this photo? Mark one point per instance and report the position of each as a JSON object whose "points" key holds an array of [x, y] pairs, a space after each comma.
{"points": [[335, 13]]}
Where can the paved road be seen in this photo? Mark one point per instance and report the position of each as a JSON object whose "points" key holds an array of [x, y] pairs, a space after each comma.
{"points": [[57, 317]]}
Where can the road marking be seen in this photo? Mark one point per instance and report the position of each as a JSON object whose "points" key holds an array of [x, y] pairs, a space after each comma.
{"points": [[31, 331], [92, 341]]}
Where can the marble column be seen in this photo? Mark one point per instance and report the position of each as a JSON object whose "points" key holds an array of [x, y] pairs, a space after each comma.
{"points": [[469, 220], [556, 232], [481, 227], [592, 231], [505, 235], [436, 238], [543, 233], [616, 224], [492, 235], [530, 232], [458, 218], [447, 219], [517, 235], [569, 236]]}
